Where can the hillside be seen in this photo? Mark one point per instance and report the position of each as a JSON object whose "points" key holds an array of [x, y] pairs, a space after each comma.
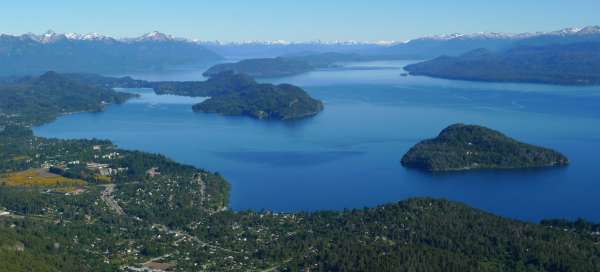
{"points": [[568, 64], [467, 147], [43, 98]]}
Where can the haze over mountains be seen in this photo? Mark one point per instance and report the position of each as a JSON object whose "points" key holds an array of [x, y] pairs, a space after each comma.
{"points": [[96, 53]]}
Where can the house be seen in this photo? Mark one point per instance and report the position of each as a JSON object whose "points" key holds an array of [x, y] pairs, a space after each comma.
{"points": [[104, 171], [153, 172], [96, 166], [159, 266], [4, 213], [111, 156], [96, 147]]}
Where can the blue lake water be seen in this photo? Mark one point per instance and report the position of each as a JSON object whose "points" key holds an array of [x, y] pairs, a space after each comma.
{"points": [[349, 155]]}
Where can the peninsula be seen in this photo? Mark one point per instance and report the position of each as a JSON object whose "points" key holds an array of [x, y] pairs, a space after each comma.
{"points": [[563, 64]]}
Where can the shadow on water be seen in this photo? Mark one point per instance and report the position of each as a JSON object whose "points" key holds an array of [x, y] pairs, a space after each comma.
{"points": [[492, 175]]}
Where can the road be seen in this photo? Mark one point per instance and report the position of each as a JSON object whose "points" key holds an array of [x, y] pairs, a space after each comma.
{"points": [[109, 199]]}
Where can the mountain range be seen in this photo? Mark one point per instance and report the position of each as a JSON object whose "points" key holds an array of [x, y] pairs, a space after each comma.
{"points": [[95, 53]]}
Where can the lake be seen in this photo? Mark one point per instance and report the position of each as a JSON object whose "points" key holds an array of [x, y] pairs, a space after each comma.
{"points": [[349, 155]]}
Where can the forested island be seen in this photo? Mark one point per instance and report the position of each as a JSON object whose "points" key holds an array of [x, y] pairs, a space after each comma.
{"points": [[566, 64], [284, 66], [87, 205], [261, 101], [467, 147], [265, 67]]}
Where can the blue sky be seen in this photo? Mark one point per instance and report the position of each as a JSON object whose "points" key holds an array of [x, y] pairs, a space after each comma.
{"points": [[234, 20]]}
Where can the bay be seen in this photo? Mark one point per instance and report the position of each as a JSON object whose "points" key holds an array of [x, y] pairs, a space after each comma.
{"points": [[349, 155]]}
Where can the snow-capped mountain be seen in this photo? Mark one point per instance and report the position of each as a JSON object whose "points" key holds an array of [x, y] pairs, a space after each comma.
{"points": [[590, 30], [156, 36], [87, 37], [51, 37]]}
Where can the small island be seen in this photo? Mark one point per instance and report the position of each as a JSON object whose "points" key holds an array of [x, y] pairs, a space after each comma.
{"points": [[467, 147], [261, 101]]}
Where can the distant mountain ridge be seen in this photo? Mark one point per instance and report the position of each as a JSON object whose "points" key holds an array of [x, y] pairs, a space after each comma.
{"points": [[419, 48], [51, 36], [31, 54], [272, 49]]}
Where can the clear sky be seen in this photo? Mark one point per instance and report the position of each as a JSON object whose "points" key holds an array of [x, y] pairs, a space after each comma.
{"points": [[235, 20]]}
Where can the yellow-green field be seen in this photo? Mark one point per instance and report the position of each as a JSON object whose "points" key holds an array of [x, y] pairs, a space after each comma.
{"points": [[37, 177], [103, 179], [20, 158]]}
